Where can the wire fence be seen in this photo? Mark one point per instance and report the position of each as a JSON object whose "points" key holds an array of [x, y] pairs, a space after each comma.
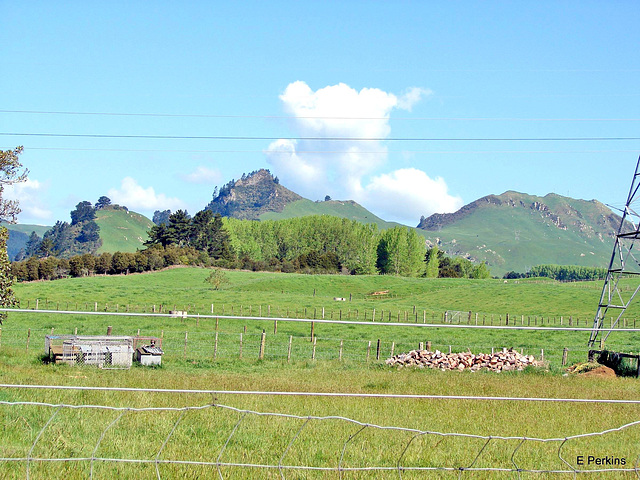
{"points": [[213, 440], [211, 346]]}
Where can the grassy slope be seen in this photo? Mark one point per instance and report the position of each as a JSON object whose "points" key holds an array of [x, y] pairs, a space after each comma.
{"points": [[517, 239], [26, 228], [121, 230], [344, 209], [201, 436]]}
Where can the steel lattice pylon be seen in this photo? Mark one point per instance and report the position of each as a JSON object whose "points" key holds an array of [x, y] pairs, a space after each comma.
{"points": [[624, 263]]}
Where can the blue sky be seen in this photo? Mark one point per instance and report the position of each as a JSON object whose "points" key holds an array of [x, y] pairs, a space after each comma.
{"points": [[432, 85]]}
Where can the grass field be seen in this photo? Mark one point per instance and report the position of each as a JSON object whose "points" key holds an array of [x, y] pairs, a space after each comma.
{"points": [[200, 435]]}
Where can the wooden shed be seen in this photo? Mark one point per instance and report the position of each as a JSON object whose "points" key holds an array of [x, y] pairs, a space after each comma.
{"points": [[101, 351]]}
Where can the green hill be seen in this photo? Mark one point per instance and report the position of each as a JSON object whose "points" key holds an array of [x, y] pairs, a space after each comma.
{"points": [[515, 231], [121, 230], [19, 235], [251, 196], [336, 208]]}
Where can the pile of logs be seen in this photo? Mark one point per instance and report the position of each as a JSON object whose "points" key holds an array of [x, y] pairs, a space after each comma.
{"points": [[497, 362]]}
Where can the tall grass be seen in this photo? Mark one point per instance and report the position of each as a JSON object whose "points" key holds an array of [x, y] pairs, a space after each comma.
{"points": [[200, 435]]}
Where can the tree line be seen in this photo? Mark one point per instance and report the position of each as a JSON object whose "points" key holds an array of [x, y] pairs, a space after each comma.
{"points": [[562, 273], [314, 244]]}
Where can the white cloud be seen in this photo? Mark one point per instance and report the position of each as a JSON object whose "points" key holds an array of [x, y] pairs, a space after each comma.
{"points": [[408, 193], [203, 175], [136, 197], [317, 164], [29, 195]]}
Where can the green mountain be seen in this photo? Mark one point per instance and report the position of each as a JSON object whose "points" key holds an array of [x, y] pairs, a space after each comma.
{"points": [[251, 196], [121, 230], [515, 231], [259, 196], [19, 235]]}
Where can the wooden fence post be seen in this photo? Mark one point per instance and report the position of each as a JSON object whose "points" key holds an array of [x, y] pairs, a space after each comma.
{"points": [[341, 347], [262, 343], [313, 350], [393, 347], [564, 356], [289, 349], [429, 345], [378, 350], [109, 330], [312, 328], [186, 334], [275, 327], [368, 350]]}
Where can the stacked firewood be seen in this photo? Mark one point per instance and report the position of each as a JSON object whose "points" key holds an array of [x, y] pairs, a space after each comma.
{"points": [[503, 360]]}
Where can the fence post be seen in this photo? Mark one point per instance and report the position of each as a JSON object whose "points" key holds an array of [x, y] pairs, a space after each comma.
{"points": [[28, 338], [289, 349], [275, 327], [393, 347], [429, 345], [313, 350], [373, 315], [262, 342], [564, 356], [368, 350], [37, 301], [378, 350], [542, 355], [421, 346], [109, 330], [186, 334], [215, 347], [312, 327], [341, 346], [95, 306]]}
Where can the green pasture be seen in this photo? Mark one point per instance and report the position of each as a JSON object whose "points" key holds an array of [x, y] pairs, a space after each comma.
{"points": [[201, 435]]}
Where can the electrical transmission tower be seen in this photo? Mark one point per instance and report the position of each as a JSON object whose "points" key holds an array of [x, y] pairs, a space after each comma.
{"points": [[619, 289]]}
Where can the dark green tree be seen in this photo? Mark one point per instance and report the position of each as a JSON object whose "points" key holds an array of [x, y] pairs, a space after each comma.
{"points": [[179, 228], [45, 248], [103, 202], [83, 213], [90, 232], [160, 217], [31, 247]]}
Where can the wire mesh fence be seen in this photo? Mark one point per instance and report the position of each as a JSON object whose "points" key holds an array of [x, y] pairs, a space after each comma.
{"points": [[46, 440]]}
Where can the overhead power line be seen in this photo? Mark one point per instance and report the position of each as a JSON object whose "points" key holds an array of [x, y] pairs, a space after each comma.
{"points": [[327, 139], [377, 152], [316, 117]]}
